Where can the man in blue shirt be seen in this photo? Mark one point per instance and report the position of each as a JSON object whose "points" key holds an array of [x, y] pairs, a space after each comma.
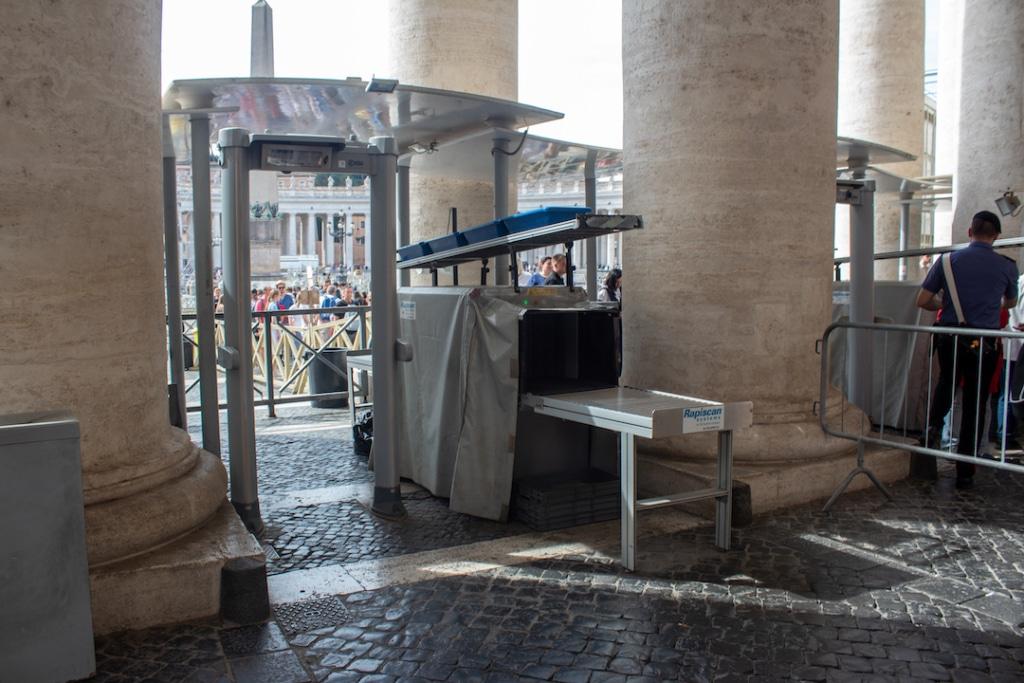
{"points": [[541, 274], [985, 282]]}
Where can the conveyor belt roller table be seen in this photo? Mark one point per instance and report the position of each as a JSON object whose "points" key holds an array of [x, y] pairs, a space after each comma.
{"points": [[653, 415]]}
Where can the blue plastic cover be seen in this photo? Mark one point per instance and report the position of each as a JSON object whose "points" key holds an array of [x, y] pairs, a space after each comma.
{"points": [[527, 220]]}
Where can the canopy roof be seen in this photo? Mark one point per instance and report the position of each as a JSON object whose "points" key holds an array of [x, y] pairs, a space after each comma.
{"points": [[539, 158], [413, 115]]}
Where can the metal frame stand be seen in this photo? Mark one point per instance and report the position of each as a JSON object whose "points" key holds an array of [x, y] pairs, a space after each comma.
{"points": [[402, 188], [236, 356], [172, 270], [199, 126], [387, 496], [242, 153], [722, 493], [590, 199], [861, 468], [860, 195], [502, 161]]}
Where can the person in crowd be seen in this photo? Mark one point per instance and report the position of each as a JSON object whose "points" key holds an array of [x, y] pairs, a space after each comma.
{"points": [[357, 298], [254, 297], [983, 282], [264, 300], [330, 300], [1008, 401], [305, 299], [612, 286], [557, 275], [542, 272], [286, 298]]}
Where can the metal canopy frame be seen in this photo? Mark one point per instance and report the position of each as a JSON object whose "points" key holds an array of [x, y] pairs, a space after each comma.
{"points": [[581, 227], [565, 232], [539, 158], [313, 112], [414, 116]]}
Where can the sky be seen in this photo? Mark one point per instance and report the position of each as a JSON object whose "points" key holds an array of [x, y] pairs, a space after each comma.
{"points": [[339, 38]]}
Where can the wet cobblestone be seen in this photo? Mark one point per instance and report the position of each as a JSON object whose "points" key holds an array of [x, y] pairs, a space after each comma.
{"points": [[341, 532]]}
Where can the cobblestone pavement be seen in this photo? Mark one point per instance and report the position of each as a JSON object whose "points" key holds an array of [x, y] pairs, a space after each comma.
{"points": [[930, 587], [332, 533]]}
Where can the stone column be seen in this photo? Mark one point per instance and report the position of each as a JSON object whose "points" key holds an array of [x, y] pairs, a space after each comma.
{"points": [[348, 243], [725, 297], [145, 483], [328, 240], [881, 99], [465, 45], [288, 243], [991, 149], [309, 240]]}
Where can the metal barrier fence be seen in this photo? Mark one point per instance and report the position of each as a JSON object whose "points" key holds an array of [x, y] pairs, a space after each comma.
{"points": [[288, 343], [915, 408]]}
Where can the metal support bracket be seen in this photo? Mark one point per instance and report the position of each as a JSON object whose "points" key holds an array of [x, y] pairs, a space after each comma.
{"points": [[861, 468]]}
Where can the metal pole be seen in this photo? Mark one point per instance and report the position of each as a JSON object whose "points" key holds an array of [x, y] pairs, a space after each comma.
{"points": [[627, 487], [268, 359], [205, 318], [501, 172], [387, 496], [172, 270], [904, 230], [590, 199], [862, 294], [723, 504], [403, 215], [236, 355]]}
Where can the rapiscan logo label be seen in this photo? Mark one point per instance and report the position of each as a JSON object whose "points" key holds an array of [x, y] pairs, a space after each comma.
{"points": [[709, 419]]}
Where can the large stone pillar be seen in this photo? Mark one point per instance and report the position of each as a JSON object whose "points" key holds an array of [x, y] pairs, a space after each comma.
{"points": [[145, 483], [288, 243], [729, 152], [881, 99], [465, 45], [991, 149], [309, 237]]}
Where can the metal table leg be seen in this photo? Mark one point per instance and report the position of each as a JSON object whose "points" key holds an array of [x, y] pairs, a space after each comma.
{"points": [[627, 479], [351, 396], [723, 504]]}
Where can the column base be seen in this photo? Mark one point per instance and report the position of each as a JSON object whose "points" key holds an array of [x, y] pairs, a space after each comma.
{"points": [[771, 486], [178, 582]]}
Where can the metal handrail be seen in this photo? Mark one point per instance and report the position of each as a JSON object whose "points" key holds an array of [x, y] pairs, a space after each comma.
{"points": [[1005, 243], [863, 439]]}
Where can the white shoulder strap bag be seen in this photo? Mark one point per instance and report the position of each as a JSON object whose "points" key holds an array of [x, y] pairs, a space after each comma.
{"points": [[947, 270]]}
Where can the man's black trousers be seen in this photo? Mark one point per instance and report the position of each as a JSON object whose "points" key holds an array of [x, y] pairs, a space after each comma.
{"points": [[958, 365]]}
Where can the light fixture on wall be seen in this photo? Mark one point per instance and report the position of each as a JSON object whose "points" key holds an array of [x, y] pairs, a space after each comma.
{"points": [[1009, 204]]}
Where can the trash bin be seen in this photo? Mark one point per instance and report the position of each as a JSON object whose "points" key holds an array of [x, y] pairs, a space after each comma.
{"points": [[46, 619], [324, 380]]}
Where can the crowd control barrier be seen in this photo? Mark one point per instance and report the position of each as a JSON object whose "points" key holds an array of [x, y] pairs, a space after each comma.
{"points": [[906, 407], [285, 345]]}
